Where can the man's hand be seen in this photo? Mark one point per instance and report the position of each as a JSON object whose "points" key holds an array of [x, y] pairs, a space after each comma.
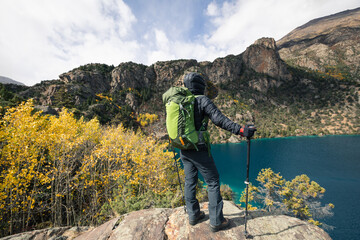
{"points": [[248, 131]]}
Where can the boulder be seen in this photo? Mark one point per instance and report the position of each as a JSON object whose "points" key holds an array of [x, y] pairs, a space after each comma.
{"points": [[144, 224], [102, 232], [58, 233], [259, 226], [173, 224]]}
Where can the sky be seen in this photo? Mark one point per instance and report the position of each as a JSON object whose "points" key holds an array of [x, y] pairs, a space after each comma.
{"points": [[41, 39]]}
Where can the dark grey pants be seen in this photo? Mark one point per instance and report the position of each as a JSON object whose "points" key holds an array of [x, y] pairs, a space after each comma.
{"points": [[200, 161]]}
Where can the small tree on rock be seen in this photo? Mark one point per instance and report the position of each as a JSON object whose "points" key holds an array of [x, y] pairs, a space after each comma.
{"points": [[299, 197]]}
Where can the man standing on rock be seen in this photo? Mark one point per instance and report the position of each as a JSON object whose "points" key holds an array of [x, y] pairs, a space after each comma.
{"points": [[201, 160]]}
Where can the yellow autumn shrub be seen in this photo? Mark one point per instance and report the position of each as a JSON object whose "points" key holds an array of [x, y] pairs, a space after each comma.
{"points": [[146, 119], [23, 165], [299, 197], [63, 170]]}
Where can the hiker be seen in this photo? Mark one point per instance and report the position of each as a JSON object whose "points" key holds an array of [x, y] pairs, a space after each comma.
{"points": [[201, 160]]}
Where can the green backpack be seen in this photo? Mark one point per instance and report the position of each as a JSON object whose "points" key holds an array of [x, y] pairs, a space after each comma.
{"points": [[180, 125]]}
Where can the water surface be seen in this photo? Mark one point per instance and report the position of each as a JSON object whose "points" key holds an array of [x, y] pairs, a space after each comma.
{"points": [[331, 161]]}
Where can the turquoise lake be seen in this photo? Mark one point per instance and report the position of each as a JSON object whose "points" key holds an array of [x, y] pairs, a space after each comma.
{"points": [[331, 161]]}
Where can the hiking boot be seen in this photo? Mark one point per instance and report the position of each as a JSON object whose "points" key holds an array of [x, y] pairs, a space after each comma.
{"points": [[222, 226], [197, 219]]}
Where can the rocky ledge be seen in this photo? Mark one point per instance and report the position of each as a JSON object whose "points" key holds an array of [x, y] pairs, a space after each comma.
{"points": [[164, 223]]}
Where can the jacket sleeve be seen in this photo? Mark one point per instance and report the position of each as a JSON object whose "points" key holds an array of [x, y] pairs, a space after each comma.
{"points": [[218, 118]]}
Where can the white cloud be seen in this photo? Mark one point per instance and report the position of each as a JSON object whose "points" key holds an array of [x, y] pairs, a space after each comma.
{"points": [[162, 42], [212, 10], [162, 50], [242, 22], [46, 38], [41, 39]]}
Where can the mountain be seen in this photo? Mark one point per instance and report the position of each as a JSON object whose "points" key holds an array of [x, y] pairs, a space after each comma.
{"points": [[262, 85], [98, 89], [329, 44], [6, 80], [9, 93]]}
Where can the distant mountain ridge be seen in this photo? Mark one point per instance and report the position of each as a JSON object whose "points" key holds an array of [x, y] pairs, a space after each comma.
{"points": [[348, 18], [329, 44], [6, 80]]}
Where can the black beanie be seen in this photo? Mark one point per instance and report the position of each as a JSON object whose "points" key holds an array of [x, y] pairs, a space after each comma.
{"points": [[195, 83]]}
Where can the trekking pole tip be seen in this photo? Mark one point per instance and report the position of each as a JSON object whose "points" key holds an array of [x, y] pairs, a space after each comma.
{"points": [[248, 235]]}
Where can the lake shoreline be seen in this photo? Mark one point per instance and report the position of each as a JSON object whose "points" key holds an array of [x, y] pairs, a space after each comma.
{"points": [[290, 137]]}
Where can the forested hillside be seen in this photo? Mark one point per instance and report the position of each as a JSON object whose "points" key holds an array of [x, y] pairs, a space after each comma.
{"points": [[255, 86]]}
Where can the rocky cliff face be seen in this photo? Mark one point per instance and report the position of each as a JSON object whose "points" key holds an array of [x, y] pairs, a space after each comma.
{"points": [[94, 81], [130, 75], [256, 82], [81, 85], [87, 81], [172, 224], [329, 41], [263, 57]]}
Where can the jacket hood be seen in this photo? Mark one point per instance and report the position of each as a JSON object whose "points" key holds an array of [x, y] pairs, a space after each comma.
{"points": [[195, 83]]}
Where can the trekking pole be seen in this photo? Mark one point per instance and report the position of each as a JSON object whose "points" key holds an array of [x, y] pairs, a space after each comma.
{"points": [[177, 170], [247, 235]]}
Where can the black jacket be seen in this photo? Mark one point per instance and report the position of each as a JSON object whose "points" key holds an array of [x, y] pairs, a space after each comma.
{"points": [[205, 107]]}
